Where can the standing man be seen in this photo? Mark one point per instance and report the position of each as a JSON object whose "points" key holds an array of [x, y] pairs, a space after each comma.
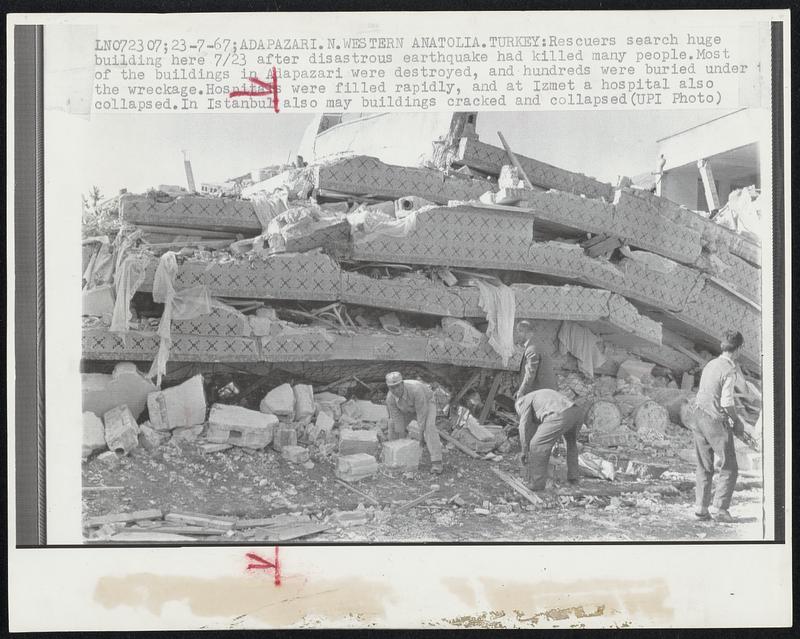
{"points": [[714, 423], [558, 417], [536, 372], [408, 400]]}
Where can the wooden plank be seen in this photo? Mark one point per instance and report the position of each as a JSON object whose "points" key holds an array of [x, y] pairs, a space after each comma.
{"points": [[489, 404], [515, 161], [286, 533], [611, 490], [458, 444], [467, 386], [372, 500], [140, 537], [179, 530], [174, 230], [277, 520], [417, 501], [199, 519], [118, 518], [709, 186], [518, 487]]}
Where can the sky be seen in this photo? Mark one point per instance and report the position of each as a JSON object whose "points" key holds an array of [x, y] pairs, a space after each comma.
{"points": [[144, 150]]}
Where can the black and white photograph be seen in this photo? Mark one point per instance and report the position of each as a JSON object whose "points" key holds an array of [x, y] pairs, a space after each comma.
{"points": [[400, 328], [310, 307]]}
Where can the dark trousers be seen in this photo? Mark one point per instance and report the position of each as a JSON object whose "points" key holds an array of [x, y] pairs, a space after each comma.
{"points": [[712, 437], [565, 424]]}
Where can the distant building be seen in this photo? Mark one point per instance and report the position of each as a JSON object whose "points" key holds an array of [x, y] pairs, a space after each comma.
{"points": [[736, 150]]}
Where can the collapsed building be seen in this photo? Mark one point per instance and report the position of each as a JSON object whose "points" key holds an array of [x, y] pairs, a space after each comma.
{"points": [[346, 266]]}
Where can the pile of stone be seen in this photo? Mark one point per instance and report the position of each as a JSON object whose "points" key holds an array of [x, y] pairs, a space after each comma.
{"points": [[332, 274]]}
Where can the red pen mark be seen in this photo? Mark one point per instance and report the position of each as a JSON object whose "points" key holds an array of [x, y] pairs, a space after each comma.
{"points": [[270, 88], [264, 564]]}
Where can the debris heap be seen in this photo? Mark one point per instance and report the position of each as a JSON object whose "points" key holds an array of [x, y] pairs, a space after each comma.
{"points": [[324, 277]]}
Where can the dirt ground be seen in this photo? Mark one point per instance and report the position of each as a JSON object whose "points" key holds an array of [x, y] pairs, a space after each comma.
{"points": [[249, 484]]}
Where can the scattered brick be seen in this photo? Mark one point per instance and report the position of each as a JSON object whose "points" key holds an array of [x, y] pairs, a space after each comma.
{"points": [[279, 401], [295, 454], [121, 430], [240, 426], [126, 385], [355, 467], [284, 436], [402, 453], [94, 435], [181, 405], [358, 441]]}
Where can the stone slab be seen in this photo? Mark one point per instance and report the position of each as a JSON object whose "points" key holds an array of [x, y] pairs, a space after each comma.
{"points": [[125, 385], [178, 406]]}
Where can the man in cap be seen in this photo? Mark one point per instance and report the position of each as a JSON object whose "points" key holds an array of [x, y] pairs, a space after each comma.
{"points": [[536, 372], [408, 400], [714, 422], [558, 417]]}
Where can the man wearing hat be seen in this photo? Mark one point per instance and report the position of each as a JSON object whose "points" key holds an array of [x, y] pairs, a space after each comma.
{"points": [[536, 372], [408, 400]]}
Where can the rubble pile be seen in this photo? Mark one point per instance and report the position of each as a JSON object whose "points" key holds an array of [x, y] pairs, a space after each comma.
{"points": [[267, 321]]}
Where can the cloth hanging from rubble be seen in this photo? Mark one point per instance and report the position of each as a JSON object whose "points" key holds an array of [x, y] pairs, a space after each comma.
{"points": [[500, 305], [368, 224], [582, 343], [127, 280], [188, 303], [100, 269], [742, 213]]}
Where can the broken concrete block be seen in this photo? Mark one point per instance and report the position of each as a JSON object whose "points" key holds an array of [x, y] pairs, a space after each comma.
{"points": [[126, 385], [284, 436], [295, 454], [240, 426], [150, 438], [402, 453], [477, 431], [644, 470], [187, 433], [179, 406], [687, 382], [355, 467], [365, 411], [321, 429], [214, 448], [304, 407], [94, 434], [329, 403], [497, 432], [358, 441], [121, 430], [595, 466], [279, 401], [470, 441], [98, 301]]}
